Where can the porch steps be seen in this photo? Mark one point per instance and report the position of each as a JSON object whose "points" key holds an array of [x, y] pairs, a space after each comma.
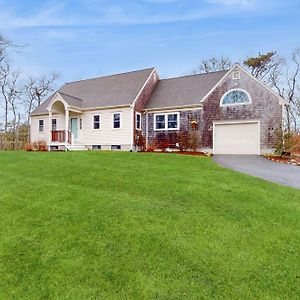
{"points": [[78, 147]]}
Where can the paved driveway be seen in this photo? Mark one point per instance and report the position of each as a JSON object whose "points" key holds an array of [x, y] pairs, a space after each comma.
{"points": [[260, 167]]}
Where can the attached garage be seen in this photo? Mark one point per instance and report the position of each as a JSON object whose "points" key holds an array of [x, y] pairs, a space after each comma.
{"points": [[240, 137]]}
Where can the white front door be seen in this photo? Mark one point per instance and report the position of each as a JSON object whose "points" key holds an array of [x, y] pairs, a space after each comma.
{"points": [[237, 138]]}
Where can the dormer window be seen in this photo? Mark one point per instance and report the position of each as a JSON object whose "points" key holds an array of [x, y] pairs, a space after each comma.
{"points": [[236, 97]]}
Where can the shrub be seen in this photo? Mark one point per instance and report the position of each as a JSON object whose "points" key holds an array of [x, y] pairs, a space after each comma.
{"points": [[140, 141], [183, 140], [39, 146], [151, 148], [194, 140], [28, 147], [295, 143], [286, 142], [161, 141]]}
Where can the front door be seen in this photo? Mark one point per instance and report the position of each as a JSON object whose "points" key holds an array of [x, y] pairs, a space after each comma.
{"points": [[74, 128]]}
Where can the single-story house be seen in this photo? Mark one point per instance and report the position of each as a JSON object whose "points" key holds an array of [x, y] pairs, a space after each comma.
{"points": [[226, 112]]}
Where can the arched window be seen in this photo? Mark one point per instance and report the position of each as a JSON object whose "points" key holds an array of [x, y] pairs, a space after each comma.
{"points": [[236, 97]]}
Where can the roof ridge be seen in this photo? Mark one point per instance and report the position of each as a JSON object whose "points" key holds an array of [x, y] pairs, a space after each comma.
{"points": [[106, 76], [192, 75], [69, 95]]}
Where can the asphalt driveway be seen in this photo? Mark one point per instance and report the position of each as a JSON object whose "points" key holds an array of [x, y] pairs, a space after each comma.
{"points": [[260, 167]]}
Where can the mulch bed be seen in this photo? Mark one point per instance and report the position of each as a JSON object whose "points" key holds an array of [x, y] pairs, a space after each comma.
{"points": [[290, 160], [181, 152]]}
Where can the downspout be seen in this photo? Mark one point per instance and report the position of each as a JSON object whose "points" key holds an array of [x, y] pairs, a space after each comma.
{"points": [[132, 127], [146, 130]]}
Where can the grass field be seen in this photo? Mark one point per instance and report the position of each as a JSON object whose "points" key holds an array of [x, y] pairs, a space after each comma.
{"points": [[99, 225]]}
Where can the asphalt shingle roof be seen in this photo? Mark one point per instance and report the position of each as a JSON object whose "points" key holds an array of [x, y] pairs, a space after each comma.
{"points": [[186, 90], [122, 89], [113, 90]]}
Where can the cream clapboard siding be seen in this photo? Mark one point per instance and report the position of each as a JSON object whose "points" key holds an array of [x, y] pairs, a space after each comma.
{"points": [[35, 135], [107, 135]]}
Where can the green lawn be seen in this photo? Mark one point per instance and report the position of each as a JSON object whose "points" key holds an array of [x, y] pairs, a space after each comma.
{"points": [[99, 225]]}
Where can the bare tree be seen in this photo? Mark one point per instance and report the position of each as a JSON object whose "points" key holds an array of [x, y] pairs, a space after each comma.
{"points": [[213, 64], [4, 78], [37, 89], [285, 79], [11, 92], [14, 92], [4, 44]]}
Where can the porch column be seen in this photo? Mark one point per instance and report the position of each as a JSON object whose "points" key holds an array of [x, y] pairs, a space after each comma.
{"points": [[50, 126], [67, 124]]}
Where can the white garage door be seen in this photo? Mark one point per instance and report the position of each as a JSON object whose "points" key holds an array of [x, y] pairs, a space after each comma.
{"points": [[236, 138]]}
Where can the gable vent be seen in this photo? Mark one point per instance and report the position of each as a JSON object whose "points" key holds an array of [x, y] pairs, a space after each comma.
{"points": [[236, 75]]}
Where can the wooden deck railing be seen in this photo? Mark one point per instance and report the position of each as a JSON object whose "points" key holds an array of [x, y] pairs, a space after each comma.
{"points": [[60, 136]]}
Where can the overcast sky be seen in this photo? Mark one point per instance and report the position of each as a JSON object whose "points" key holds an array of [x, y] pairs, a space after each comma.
{"points": [[88, 38]]}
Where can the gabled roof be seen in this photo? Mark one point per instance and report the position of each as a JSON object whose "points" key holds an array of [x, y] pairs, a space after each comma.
{"points": [[185, 90], [71, 100], [114, 90]]}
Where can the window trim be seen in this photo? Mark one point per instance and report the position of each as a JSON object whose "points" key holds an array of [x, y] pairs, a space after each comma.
{"points": [[55, 124], [236, 104], [136, 115], [41, 131], [113, 120], [166, 121], [94, 122]]}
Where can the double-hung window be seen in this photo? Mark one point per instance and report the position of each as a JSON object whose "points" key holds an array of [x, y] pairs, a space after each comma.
{"points": [[172, 121], [96, 122], [160, 122], [116, 120], [41, 125], [138, 121], [168, 121], [54, 124]]}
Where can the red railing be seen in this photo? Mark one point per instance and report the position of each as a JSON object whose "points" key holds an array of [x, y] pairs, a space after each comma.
{"points": [[60, 136]]}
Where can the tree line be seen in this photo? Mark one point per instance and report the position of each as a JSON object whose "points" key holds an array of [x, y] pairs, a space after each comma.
{"points": [[19, 96]]}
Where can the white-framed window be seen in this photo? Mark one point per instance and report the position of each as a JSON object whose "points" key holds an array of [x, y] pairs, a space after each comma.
{"points": [[160, 122], [138, 121], [116, 120], [97, 121], [166, 121], [54, 124], [41, 125], [236, 97]]}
